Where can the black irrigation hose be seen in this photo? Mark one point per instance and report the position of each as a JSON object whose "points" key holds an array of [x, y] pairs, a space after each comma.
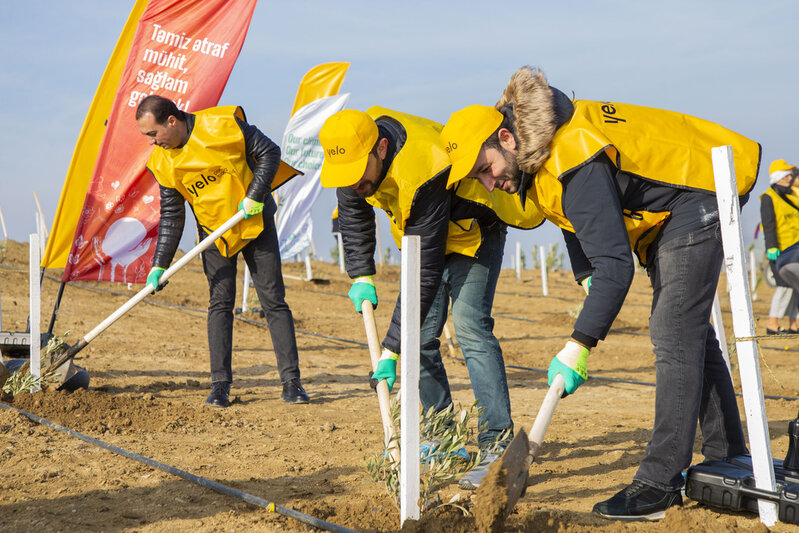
{"points": [[207, 483]]}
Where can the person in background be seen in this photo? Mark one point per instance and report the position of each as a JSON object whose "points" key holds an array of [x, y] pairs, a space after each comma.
{"points": [[779, 215], [220, 164]]}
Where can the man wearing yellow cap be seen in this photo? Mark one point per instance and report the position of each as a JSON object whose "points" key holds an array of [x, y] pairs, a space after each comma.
{"points": [[395, 162], [779, 214], [614, 177], [220, 164]]}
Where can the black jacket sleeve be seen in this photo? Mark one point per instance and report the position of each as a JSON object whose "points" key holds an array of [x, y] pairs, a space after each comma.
{"points": [[429, 218], [170, 226], [356, 222], [591, 203], [263, 157], [581, 266], [769, 221]]}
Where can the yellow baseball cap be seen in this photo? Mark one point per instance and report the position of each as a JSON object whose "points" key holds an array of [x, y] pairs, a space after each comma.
{"points": [[779, 164], [464, 135], [347, 137]]}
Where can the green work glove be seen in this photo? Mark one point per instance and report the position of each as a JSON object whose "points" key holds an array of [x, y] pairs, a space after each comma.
{"points": [[363, 288], [772, 254], [586, 284], [250, 207], [386, 368], [571, 363], [153, 279]]}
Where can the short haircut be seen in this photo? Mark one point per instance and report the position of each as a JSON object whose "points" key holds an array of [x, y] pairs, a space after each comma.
{"points": [[161, 108], [508, 120]]}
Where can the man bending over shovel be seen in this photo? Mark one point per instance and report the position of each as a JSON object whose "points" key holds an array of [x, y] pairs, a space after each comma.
{"points": [[396, 162], [219, 163], [615, 176]]}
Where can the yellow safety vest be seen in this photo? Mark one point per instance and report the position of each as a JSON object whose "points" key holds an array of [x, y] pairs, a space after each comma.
{"points": [[212, 174], [786, 217], [420, 159], [660, 146]]}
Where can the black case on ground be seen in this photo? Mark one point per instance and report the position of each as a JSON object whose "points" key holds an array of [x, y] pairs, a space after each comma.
{"points": [[731, 485]]}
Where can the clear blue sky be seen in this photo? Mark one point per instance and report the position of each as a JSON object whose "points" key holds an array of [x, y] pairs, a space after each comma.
{"points": [[732, 62]]}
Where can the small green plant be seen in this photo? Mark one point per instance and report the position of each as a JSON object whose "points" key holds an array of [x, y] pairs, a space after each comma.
{"points": [[451, 430], [55, 347], [334, 253], [27, 382]]}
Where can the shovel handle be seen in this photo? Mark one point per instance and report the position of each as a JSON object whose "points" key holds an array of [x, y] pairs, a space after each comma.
{"points": [[544, 416], [142, 294], [383, 395]]}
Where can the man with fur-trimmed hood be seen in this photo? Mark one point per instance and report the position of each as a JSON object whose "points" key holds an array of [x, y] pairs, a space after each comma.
{"points": [[616, 177]]}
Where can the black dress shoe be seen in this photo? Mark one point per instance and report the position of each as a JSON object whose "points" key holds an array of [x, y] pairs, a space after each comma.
{"points": [[293, 392], [219, 396]]}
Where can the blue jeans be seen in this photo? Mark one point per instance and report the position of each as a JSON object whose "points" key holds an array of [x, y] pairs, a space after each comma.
{"points": [[470, 284], [691, 378]]}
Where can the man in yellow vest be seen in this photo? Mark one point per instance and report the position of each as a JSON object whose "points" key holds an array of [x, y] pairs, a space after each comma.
{"points": [[614, 177], [220, 164], [395, 162], [779, 213]]}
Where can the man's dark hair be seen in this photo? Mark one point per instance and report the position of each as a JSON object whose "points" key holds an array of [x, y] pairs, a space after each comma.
{"points": [[508, 120], [160, 107]]}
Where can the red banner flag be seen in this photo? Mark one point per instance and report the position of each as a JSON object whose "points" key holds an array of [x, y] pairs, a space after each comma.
{"points": [[183, 50]]}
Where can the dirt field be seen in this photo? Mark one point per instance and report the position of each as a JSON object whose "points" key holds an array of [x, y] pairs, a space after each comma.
{"points": [[149, 377]]}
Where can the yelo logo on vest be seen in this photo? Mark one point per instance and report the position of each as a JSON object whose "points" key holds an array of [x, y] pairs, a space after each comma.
{"points": [[207, 179], [609, 110], [450, 147]]}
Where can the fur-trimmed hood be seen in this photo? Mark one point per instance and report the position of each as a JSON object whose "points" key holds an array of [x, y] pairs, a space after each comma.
{"points": [[537, 111]]}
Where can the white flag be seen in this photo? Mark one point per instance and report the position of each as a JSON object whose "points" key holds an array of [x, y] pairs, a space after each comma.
{"points": [[302, 150]]}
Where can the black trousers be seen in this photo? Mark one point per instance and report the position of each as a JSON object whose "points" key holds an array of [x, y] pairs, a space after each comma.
{"points": [[263, 259]]}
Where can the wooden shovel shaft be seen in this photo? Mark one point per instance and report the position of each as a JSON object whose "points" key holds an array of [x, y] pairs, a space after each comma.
{"points": [[383, 395], [545, 413], [142, 294]]}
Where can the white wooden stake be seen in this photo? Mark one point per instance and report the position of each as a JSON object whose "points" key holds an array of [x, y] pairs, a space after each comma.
{"points": [[543, 259], [718, 325], [3, 223], [35, 307], [744, 327], [308, 271], [340, 242], [409, 372], [41, 214], [753, 274], [245, 292], [518, 260]]}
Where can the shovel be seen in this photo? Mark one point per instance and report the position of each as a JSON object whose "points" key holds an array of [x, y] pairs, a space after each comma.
{"points": [[63, 364], [521, 452], [383, 398]]}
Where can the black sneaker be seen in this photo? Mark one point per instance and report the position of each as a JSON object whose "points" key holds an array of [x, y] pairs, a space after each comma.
{"points": [[293, 392], [638, 502], [220, 395]]}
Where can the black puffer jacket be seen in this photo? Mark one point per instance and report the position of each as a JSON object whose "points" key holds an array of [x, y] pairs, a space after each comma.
{"points": [[263, 158]]}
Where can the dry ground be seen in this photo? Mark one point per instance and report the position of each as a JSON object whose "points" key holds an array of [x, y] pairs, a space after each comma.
{"points": [[150, 376]]}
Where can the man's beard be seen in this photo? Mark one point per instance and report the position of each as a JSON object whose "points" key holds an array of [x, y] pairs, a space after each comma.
{"points": [[373, 185], [513, 173]]}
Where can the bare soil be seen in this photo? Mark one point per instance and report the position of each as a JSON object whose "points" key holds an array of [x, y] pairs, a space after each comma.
{"points": [[149, 377]]}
